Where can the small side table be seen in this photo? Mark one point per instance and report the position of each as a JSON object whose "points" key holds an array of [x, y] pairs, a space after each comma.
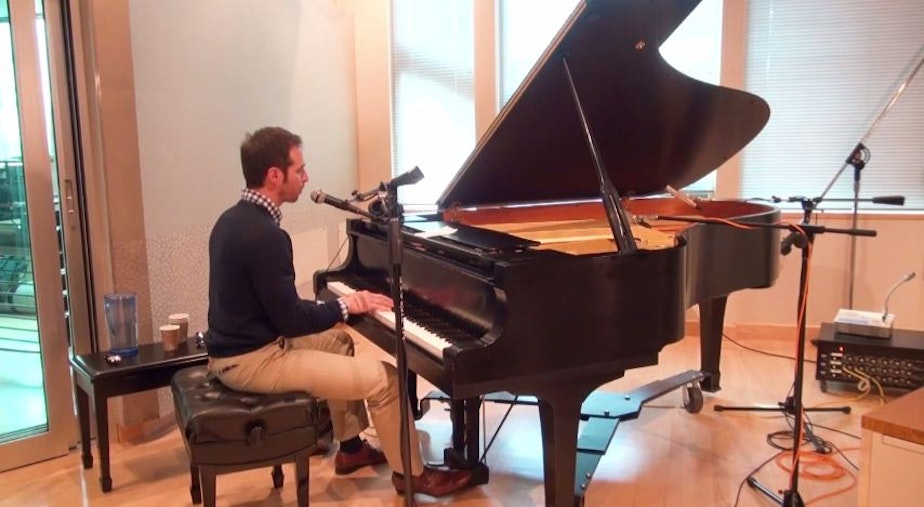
{"points": [[95, 378], [893, 453]]}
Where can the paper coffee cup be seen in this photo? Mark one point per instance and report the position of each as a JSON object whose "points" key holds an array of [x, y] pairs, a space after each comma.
{"points": [[182, 320], [170, 336]]}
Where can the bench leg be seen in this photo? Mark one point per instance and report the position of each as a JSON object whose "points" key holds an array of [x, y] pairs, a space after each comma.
{"points": [[301, 478], [195, 489], [207, 475], [278, 477]]}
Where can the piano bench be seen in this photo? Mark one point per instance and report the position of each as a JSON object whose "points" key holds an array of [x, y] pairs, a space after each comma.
{"points": [[228, 431]]}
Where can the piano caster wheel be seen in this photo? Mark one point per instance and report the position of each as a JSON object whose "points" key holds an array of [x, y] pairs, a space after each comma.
{"points": [[692, 398]]}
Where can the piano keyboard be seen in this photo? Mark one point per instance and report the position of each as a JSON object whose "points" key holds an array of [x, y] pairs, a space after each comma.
{"points": [[416, 333]]}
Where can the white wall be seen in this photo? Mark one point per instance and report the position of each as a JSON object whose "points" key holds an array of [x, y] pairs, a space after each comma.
{"points": [[881, 262], [209, 71]]}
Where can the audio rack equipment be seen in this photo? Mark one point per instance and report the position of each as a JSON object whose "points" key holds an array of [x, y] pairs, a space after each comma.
{"points": [[897, 362]]}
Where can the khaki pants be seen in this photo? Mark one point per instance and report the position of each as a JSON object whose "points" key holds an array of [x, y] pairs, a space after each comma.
{"points": [[323, 365]]}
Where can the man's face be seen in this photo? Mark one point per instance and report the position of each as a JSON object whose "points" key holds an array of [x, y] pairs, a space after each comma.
{"points": [[296, 177]]}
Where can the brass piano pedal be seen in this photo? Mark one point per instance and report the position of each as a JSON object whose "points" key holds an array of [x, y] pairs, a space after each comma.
{"points": [[420, 409]]}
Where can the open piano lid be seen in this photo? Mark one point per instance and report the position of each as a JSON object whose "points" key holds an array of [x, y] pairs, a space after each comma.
{"points": [[654, 126]]}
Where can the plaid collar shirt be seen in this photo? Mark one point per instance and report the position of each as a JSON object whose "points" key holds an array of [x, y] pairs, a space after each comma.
{"points": [[257, 198]]}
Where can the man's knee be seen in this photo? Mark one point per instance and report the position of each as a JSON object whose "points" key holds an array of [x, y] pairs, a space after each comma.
{"points": [[386, 391], [344, 342]]}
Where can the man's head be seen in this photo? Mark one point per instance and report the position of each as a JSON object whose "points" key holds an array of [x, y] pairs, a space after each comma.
{"points": [[273, 164]]}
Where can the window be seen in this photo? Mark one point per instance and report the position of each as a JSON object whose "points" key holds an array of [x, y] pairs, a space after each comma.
{"points": [[828, 68], [526, 27], [433, 122], [433, 111], [10, 146], [10, 142]]}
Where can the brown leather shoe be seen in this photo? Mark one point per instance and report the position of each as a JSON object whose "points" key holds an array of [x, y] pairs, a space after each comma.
{"points": [[434, 481], [347, 463]]}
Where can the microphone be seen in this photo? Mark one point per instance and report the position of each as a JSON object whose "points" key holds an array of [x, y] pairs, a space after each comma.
{"points": [[794, 239], [906, 278], [895, 200], [682, 197], [318, 196], [407, 178]]}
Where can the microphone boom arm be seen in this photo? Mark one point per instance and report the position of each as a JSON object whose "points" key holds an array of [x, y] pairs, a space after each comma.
{"points": [[860, 154]]}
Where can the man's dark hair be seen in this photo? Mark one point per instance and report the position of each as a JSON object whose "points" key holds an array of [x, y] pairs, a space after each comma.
{"points": [[265, 148]]}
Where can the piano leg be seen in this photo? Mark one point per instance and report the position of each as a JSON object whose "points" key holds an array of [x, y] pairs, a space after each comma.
{"points": [[457, 417], [466, 438], [559, 416], [711, 325], [417, 410]]}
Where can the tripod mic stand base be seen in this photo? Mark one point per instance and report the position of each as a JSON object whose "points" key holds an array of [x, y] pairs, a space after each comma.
{"points": [[787, 406], [727, 408], [792, 499], [789, 498]]}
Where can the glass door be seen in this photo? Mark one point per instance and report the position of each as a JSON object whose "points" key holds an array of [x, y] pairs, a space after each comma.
{"points": [[36, 420]]}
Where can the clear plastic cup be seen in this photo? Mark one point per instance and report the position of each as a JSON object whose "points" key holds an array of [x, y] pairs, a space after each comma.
{"points": [[121, 312]]}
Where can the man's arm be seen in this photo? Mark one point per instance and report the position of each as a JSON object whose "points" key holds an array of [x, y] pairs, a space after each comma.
{"points": [[273, 278]]}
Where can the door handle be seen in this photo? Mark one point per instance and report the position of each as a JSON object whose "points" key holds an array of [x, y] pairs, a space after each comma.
{"points": [[69, 196]]}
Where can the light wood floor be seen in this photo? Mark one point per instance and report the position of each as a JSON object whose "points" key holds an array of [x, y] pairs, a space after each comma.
{"points": [[666, 457]]}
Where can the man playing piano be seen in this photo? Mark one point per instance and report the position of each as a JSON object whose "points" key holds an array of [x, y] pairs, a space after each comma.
{"points": [[264, 338]]}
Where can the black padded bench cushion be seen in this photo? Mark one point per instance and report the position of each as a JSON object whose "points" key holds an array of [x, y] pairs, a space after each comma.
{"points": [[222, 426]]}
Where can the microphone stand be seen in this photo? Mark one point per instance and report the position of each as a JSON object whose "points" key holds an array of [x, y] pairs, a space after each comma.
{"points": [[386, 210], [388, 196], [793, 405], [803, 241]]}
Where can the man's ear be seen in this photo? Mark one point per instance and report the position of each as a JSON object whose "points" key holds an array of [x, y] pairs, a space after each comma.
{"points": [[274, 175]]}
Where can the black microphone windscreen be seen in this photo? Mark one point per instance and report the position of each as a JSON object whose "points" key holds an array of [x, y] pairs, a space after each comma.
{"points": [[895, 200], [408, 178]]}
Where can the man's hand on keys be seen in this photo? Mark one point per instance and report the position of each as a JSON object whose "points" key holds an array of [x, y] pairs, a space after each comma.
{"points": [[364, 301]]}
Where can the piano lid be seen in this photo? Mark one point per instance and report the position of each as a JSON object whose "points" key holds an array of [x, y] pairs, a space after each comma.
{"points": [[654, 126]]}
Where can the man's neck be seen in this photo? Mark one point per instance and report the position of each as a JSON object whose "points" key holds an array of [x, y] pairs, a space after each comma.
{"points": [[270, 197]]}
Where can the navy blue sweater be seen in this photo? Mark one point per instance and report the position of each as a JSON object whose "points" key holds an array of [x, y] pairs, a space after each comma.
{"points": [[252, 296]]}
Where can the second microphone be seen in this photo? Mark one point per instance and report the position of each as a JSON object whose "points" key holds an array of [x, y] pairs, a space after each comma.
{"points": [[318, 196]]}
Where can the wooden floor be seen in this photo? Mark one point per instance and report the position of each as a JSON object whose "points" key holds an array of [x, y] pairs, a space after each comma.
{"points": [[666, 457]]}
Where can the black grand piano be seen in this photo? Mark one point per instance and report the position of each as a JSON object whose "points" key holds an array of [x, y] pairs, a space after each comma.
{"points": [[518, 284]]}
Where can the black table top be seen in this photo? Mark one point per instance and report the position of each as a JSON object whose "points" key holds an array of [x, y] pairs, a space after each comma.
{"points": [[150, 356]]}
